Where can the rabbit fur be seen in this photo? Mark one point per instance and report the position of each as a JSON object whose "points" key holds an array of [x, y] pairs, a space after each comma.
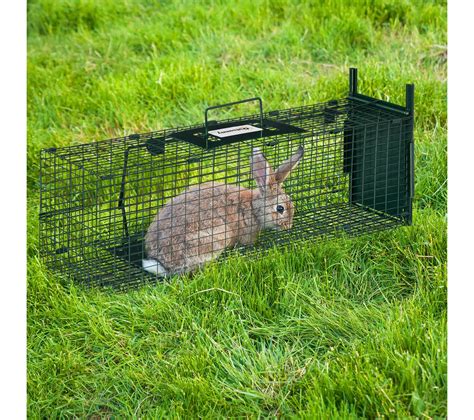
{"points": [[197, 225]]}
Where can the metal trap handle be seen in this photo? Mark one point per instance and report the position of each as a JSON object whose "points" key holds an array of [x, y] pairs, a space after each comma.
{"points": [[206, 121]]}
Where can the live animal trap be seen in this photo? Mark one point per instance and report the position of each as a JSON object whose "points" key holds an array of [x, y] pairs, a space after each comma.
{"points": [[345, 166]]}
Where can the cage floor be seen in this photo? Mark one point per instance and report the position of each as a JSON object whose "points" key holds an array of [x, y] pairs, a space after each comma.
{"points": [[329, 221], [120, 266]]}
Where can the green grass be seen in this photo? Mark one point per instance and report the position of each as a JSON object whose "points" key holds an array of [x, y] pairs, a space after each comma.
{"points": [[339, 329]]}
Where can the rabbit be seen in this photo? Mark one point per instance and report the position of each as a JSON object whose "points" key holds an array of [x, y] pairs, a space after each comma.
{"points": [[199, 224]]}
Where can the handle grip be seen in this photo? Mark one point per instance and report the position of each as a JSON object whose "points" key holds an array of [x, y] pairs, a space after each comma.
{"points": [[231, 104]]}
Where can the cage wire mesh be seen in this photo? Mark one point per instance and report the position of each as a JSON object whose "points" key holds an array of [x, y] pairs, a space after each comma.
{"points": [[99, 201]]}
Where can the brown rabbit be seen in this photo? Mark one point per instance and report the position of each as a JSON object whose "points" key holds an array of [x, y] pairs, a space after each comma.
{"points": [[200, 223]]}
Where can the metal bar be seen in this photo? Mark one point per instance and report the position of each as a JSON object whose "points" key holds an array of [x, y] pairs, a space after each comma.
{"points": [[410, 106], [410, 98], [352, 81], [379, 103]]}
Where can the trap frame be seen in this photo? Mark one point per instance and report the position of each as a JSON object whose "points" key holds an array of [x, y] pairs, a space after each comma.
{"points": [[97, 200]]}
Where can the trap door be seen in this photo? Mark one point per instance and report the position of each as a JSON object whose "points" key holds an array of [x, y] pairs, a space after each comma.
{"points": [[377, 156]]}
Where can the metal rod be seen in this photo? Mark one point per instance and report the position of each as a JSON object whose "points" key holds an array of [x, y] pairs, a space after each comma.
{"points": [[410, 106], [379, 103], [352, 81], [410, 97]]}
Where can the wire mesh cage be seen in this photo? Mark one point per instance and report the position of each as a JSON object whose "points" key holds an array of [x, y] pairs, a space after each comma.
{"points": [[129, 210]]}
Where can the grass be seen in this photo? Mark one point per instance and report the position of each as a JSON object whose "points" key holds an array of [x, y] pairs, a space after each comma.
{"points": [[346, 328]]}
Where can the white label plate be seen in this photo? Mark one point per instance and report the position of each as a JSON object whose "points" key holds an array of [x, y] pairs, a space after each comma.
{"points": [[234, 131]]}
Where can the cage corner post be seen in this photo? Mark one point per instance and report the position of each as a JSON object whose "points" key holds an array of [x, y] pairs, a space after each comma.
{"points": [[410, 109], [352, 81], [349, 132]]}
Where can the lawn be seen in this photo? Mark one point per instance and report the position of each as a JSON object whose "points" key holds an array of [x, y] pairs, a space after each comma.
{"points": [[342, 328]]}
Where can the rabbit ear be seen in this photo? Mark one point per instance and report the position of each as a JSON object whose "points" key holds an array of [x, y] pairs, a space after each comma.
{"points": [[288, 165], [261, 170]]}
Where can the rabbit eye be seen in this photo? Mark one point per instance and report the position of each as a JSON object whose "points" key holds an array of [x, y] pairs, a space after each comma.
{"points": [[280, 209]]}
